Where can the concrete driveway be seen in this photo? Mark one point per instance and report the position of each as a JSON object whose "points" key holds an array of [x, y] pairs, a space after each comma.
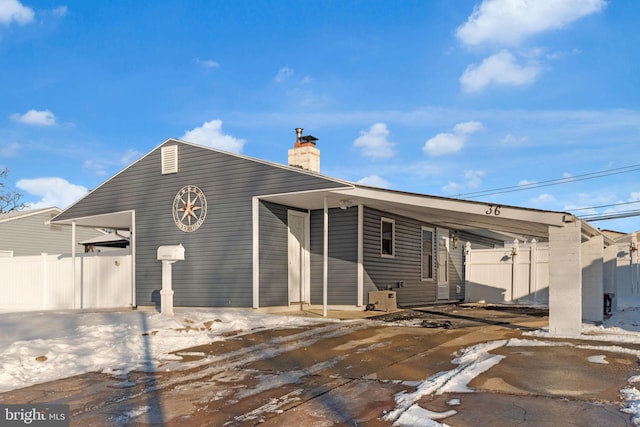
{"points": [[351, 372]]}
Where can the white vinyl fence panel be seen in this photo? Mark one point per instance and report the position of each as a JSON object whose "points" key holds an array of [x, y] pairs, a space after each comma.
{"points": [[513, 275], [45, 282], [627, 272]]}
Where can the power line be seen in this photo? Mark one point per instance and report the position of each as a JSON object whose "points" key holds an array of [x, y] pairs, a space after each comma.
{"points": [[551, 182], [604, 206], [611, 215]]}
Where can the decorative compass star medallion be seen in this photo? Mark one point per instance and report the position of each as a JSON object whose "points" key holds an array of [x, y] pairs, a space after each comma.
{"points": [[189, 208]]}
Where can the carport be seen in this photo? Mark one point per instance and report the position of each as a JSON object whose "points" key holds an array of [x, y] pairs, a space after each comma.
{"points": [[578, 251], [124, 220]]}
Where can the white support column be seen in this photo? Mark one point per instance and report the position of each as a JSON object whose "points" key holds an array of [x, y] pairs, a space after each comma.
{"points": [[132, 243], [73, 261], [592, 279], [533, 271], [565, 280], [467, 270], [255, 214], [45, 282], [360, 255], [325, 258], [515, 267]]}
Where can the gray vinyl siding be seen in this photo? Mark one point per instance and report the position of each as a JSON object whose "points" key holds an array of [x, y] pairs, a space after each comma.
{"points": [[217, 270], [274, 262], [30, 235], [342, 281], [384, 273]]}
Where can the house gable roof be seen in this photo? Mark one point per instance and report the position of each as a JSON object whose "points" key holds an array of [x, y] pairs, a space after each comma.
{"points": [[14, 215]]}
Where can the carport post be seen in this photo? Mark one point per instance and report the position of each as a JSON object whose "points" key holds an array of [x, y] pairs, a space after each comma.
{"points": [[325, 258], [73, 260], [565, 279], [593, 279]]}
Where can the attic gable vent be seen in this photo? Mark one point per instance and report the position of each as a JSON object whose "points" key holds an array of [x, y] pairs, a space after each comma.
{"points": [[169, 159]]}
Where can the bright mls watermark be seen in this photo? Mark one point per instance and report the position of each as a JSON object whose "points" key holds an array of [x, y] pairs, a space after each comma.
{"points": [[40, 415]]}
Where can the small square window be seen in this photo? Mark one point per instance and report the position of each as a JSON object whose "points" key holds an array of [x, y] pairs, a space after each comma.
{"points": [[387, 237]]}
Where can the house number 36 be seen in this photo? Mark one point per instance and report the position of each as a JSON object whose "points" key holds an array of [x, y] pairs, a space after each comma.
{"points": [[493, 210]]}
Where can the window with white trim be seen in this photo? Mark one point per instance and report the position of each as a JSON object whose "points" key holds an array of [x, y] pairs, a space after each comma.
{"points": [[387, 237]]}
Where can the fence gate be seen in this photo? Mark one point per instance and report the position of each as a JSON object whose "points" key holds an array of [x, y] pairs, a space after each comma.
{"points": [[45, 282], [517, 274]]}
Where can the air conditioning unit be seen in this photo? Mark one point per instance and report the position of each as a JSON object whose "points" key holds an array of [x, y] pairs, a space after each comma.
{"points": [[383, 300]]}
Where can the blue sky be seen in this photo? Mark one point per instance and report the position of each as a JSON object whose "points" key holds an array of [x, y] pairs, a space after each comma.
{"points": [[438, 97]]}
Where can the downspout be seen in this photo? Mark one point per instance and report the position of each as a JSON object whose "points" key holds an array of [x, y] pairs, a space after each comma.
{"points": [[325, 258]]}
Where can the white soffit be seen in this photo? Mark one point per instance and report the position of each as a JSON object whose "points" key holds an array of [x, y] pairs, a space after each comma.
{"points": [[116, 220]]}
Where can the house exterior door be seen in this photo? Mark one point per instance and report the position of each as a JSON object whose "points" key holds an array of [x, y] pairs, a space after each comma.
{"points": [[298, 257], [442, 264]]}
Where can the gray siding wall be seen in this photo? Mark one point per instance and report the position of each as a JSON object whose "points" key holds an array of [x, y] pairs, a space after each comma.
{"points": [[382, 273], [342, 280], [30, 235], [217, 270], [274, 262]]}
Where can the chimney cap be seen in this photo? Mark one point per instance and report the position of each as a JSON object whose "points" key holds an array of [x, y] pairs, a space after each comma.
{"points": [[304, 140]]}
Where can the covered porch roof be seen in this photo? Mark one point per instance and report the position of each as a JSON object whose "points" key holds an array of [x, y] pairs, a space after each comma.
{"points": [[480, 218], [122, 220]]}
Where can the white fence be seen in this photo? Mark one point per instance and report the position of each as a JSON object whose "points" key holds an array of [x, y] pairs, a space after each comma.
{"points": [[627, 272], [45, 282], [513, 275]]}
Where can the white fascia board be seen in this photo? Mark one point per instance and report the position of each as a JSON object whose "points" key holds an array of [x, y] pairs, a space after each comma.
{"points": [[465, 206], [27, 213]]}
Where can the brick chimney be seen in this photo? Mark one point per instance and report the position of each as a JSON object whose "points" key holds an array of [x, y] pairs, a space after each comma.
{"points": [[304, 153]]}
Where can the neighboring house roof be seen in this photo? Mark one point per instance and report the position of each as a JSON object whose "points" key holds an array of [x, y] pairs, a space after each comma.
{"points": [[114, 239], [10, 216], [31, 232]]}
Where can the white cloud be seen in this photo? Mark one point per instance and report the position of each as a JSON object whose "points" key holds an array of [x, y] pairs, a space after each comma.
{"points": [[444, 143], [544, 201], [98, 168], [472, 179], [509, 22], [35, 117], [53, 192], [210, 134], [375, 143], [60, 11], [375, 181], [14, 11], [9, 150], [207, 63], [130, 156], [283, 74], [499, 69], [510, 139], [468, 128], [449, 143]]}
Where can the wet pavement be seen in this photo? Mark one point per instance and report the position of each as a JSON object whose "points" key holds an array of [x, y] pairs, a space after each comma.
{"points": [[349, 373]]}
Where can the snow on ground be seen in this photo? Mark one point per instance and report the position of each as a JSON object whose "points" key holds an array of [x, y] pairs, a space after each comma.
{"points": [[622, 327], [113, 342], [117, 342]]}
